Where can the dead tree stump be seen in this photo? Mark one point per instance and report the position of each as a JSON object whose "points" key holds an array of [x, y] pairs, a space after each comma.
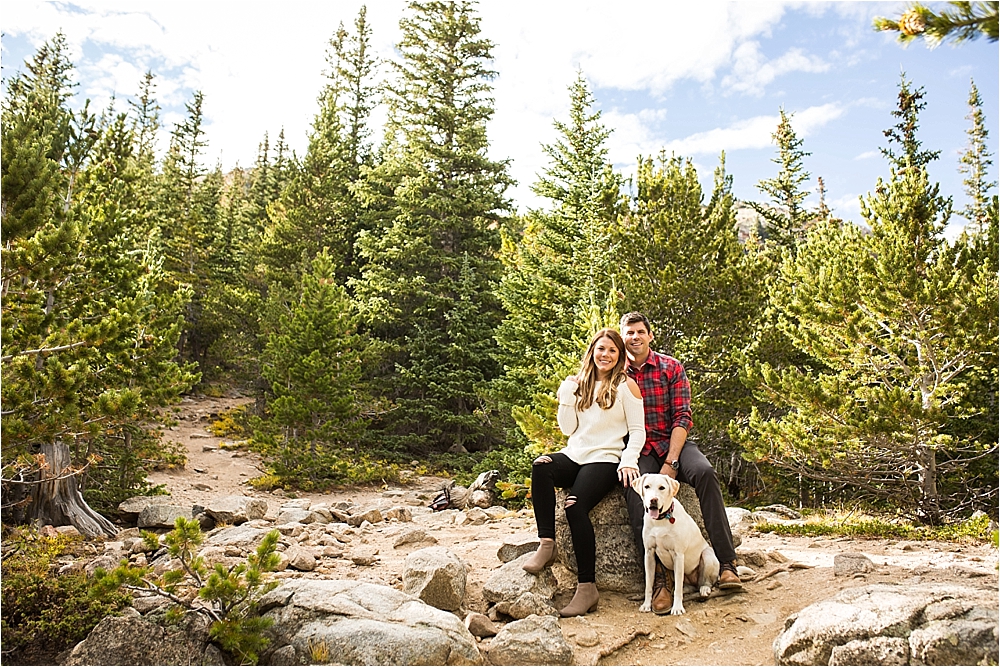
{"points": [[56, 498]]}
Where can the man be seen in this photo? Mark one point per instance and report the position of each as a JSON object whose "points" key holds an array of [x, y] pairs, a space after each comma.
{"points": [[666, 396]]}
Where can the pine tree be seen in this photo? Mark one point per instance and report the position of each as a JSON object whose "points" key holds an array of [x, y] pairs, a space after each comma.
{"points": [[685, 270], [318, 208], [888, 318], [433, 208], [123, 282], [975, 164], [904, 133], [146, 121], [88, 340], [313, 364], [562, 261], [785, 217], [187, 213], [965, 21]]}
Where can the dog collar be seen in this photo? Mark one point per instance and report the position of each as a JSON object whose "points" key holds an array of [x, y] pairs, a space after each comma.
{"points": [[668, 514]]}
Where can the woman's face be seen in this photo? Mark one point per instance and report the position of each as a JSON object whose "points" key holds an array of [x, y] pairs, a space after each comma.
{"points": [[606, 355]]}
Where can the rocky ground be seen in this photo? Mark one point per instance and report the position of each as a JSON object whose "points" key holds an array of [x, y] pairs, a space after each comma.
{"points": [[737, 629]]}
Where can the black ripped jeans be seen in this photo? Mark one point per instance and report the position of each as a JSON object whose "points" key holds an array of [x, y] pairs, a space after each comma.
{"points": [[587, 484]]}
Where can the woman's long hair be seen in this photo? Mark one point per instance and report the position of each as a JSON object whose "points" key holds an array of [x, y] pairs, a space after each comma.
{"points": [[608, 391]]}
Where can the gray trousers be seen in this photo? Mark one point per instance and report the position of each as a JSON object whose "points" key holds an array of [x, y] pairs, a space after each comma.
{"points": [[699, 473]]}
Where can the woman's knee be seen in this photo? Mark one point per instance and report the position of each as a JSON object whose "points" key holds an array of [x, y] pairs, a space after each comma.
{"points": [[575, 509]]}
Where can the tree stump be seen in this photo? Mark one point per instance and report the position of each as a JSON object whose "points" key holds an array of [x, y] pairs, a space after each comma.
{"points": [[56, 498]]}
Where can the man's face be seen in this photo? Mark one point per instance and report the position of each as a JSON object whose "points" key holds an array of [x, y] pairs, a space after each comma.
{"points": [[637, 339]]}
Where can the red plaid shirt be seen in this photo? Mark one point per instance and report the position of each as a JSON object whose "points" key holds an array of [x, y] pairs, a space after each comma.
{"points": [[666, 398]]}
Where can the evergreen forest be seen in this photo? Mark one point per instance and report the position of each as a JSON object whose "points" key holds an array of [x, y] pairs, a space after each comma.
{"points": [[388, 308]]}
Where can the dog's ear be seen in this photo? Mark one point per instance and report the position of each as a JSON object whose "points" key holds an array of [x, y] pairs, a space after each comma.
{"points": [[674, 485], [637, 484]]}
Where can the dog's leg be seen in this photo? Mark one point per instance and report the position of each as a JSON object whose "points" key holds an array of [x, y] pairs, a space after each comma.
{"points": [[650, 562], [678, 607], [709, 571]]}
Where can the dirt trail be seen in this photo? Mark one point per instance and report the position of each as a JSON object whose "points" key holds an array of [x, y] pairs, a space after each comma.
{"points": [[732, 630]]}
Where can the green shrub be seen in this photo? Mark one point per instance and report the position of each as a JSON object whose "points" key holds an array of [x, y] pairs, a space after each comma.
{"points": [[45, 613], [317, 466], [233, 423], [226, 596]]}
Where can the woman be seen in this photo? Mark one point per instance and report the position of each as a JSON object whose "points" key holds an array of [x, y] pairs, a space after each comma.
{"points": [[597, 408]]}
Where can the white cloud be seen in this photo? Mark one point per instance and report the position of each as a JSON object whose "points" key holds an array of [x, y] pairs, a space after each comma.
{"points": [[753, 133], [752, 71], [260, 66], [867, 155]]}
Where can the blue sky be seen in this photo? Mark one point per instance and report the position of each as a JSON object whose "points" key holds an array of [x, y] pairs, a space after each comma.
{"points": [[692, 78]]}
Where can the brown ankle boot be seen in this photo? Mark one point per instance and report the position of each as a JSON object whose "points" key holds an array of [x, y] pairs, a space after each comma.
{"points": [[544, 556], [584, 600], [663, 590]]}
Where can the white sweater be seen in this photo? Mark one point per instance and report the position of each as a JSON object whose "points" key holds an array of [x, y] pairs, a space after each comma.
{"points": [[595, 435]]}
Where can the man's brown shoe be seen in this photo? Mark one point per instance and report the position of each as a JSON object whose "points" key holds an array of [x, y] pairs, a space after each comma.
{"points": [[728, 579], [663, 595]]}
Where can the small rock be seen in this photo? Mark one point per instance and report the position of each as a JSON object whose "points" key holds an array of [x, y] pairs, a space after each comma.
{"points": [[536, 640], [480, 625], [496, 512], [209, 448], [477, 516], [528, 604], [412, 537], [783, 511], [513, 550], [371, 516], [849, 564], [301, 558], [587, 637], [399, 514], [144, 605], [685, 628], [364, 557]]}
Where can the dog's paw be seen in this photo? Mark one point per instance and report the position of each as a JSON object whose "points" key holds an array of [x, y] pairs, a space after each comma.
{"points": [[646, 606], [704, 592], [677, 610]]}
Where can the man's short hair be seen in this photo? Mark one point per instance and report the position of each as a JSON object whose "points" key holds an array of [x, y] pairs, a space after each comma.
{"points": [[632, 318]]}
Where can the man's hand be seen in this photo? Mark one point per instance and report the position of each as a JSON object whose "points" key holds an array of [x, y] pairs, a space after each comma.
{"points": [[668, 470]]}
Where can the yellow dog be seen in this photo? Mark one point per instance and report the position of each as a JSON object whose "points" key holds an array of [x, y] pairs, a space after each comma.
{"points": [[670, 533]]}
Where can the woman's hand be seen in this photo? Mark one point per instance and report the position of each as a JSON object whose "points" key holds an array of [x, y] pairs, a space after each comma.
{"points": [[628, 475], [544, 458]]}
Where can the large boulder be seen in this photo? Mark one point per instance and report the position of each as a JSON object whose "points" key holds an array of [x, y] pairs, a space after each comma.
{"points": [[244, 537], [928, 624], [236, 509], [436, 576], [131, 508], [536, 640], [358, 623], [133, 640], [162, 515], [619, 567]]}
